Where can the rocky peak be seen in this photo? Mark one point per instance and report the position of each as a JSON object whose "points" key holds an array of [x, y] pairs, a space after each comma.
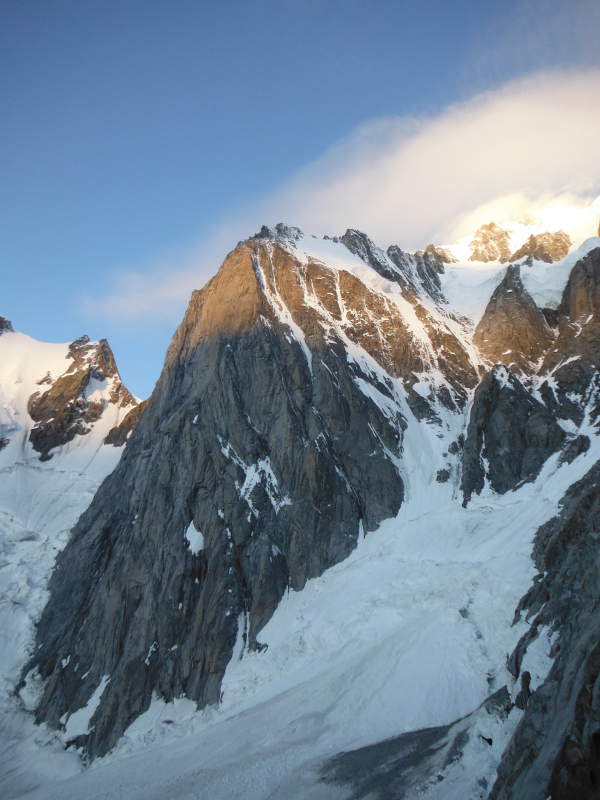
{"points": [[275, 431], [5, 326], [74, 400], [548, 247], [441, 254], [574, 360], [509, 437], [280, 231], [513, 330], [360, 245], [490, 243]]}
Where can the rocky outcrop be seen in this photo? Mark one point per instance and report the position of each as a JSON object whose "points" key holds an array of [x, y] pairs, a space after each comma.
{"points": [[441, 254], [5, 326], [572, 363], [509, 437], [490, 243], [416, 273], [118, 435], [548, 247], [555, 751], [68, 408], [513, 330], [421, 273]]}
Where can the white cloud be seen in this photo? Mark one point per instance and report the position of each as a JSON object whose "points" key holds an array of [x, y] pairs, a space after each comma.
{"points": [[529, 144]]}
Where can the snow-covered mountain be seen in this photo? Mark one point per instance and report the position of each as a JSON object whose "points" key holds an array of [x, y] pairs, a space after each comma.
{"points": [[357, 466], [63, 414]]}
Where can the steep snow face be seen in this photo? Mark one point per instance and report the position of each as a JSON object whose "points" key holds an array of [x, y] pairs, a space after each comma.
{"points": [[41, 500]]}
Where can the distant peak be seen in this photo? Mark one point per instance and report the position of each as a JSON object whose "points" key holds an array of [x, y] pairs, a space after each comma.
{"points": [[490, 243], [280, 231], [548, 247]]}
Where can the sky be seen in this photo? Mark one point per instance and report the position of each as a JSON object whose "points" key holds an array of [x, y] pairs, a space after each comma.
{"points": [[141, 140]]}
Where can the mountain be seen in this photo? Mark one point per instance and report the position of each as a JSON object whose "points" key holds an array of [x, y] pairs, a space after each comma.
{"points": [[59, 405], [364, 477]]}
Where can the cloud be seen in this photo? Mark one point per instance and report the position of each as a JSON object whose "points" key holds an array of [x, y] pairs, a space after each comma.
{"points": [[536, 138], [529, 144]]}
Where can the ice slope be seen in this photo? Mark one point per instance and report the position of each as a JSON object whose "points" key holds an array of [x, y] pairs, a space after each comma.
{"points": [[39, 503], [468, 285], [411, 631]]}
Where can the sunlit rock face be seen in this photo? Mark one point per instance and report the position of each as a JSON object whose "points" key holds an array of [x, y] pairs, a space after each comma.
{"points": [[67, 406], [513, 330], [276, 430], [548, 247], [491, 243]]}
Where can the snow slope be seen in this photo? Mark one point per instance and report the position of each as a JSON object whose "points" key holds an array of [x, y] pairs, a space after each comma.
{"points": [[411, 631], [39, 503]]}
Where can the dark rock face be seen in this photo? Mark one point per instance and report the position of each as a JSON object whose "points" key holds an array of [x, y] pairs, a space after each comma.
{"points": [[513, 330], [258, 436], [360, 244], [5, 326], [490, 243], [265, 435], [548, 247], [421, 272], [511, 430], [574, 359], [63, 411], [555, 751]]}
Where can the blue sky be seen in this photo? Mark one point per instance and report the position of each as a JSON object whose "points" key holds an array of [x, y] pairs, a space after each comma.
{"points": [[133, 132]]}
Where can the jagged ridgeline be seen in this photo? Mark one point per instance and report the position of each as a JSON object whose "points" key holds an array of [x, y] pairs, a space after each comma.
{"points": [[277, 434], [274, 435]]}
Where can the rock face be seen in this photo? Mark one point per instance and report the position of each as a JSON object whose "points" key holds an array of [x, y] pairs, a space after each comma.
{"points": [[511, 431], [490, 243], [574, 359], [513, 330], [556, 749], [548, 247], [68, 407], [441, 254], [275, 431]]}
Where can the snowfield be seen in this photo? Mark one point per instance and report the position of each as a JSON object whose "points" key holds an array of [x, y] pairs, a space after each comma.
{"points": [[411, 631]]}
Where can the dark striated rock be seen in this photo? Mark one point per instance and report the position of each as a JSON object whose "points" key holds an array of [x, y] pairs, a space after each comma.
{"points": [[513, 330], [511, 430], [262, 439], [5, 326], [360, 245], [63, 411], [421, 272], [555, 751], [574, 359], [548, 247], [490, 243]]}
